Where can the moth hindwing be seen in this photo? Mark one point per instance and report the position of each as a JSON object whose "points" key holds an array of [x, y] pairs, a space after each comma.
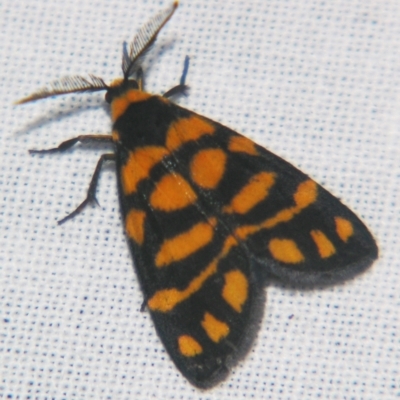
{"points": [[211, 217]]}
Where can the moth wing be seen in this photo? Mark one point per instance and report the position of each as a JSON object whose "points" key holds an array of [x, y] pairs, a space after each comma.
{"points": [[209, 216], [293, 228]]}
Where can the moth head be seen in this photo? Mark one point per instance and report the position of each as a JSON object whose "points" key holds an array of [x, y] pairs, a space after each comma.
{"points": [[119, 86], [131, 69]]}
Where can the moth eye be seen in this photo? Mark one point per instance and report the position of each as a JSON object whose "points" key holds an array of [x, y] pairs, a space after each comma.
{"points": [[108, 97]]}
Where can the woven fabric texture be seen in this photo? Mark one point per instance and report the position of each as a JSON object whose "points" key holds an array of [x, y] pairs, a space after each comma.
{"points": [[317, 82]]}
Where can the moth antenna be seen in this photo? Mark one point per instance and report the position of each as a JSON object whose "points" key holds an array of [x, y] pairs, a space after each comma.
{"points": [[144, 39], [68, 84]]}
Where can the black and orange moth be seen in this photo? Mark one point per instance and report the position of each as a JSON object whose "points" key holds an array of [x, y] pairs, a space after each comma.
{"points": [[211, 217]]}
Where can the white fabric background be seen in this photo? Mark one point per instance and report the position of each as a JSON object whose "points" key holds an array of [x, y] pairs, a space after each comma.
{"points": [[317, 82]]}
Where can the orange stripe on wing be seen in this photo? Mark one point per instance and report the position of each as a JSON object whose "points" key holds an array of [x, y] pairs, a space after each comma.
{"points": [[139, 165], [185, 244], [256, 190], [324, 245], [240, 144], [187, 129]]}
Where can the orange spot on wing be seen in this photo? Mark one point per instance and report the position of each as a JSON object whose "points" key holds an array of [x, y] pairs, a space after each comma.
{"points": [[134, 225], [187, 129], [344, 228], [235, 290], [138, 166], [250, 195], [324, 245], [184, 244], [188, 346], [207, 167], [171, 193], [215, 329], [306, 194], [241, 144], [285, 250]]}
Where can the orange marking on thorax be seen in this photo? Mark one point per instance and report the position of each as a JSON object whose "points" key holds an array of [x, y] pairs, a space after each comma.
{"points": [[216, 330], [185, 244], [324, 245], [121, 103], [241, 144], [118, 107], [138, 166], [344, 228], [207, 167], [185, 130], [171, 193], [256, 190], [188, 346]]}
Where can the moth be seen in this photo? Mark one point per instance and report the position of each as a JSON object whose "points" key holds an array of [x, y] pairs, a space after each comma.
{"points": [[210, 216]]}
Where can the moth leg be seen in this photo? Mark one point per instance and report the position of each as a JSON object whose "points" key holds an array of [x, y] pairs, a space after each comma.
{"points": [[182, 88], [143, 306], [91, 193], [71, 142]]}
